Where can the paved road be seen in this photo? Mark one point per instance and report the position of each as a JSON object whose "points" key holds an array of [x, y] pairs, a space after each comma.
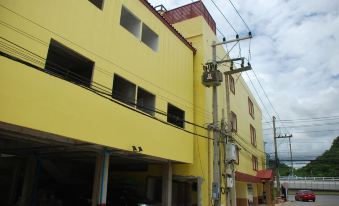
{"points": [[321, 200]]}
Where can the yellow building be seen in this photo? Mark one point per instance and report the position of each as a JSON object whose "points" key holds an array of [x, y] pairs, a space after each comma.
{"points": [[102, 104], [253, 182]]}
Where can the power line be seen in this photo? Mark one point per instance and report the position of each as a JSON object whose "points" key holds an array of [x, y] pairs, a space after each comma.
{"points": [[315, 125], [311, 125], [326, 118], [311, 160], [240, 15], [107, 60], [255, 89], [247, 143], [316, 131], [100, 93], [216, 6], [312, 131], [268, 98], [245, 87], [96, 67]]}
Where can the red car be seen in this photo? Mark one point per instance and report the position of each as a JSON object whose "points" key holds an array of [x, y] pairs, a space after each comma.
{"points": [[304, 195]]}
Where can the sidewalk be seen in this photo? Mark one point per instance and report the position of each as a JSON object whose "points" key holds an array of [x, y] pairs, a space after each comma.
{"points": [[287, 203]]}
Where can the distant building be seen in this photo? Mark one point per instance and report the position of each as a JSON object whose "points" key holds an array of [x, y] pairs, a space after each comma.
{"points": [[102, 104]]}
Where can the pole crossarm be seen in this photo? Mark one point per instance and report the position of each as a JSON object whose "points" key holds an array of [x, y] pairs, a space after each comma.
{"points": [[227, 60], [285, 136], [242, 69], [233, 40]]}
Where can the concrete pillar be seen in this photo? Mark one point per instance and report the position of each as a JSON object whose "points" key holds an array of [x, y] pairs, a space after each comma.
{"points": [[199, 191], [167, 184], [99, 193], [241, 193], [255, 194], [268, 191], [29, 181], [14, 183]]}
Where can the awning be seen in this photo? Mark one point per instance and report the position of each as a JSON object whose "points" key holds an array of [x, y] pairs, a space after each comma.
{"points": [[265, 174], [243, 177]]}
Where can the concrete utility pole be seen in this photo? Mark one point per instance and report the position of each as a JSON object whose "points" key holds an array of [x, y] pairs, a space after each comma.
{"points": [[276, 157], [289, 140], [276, 154], [216, 152], [212, 77]]}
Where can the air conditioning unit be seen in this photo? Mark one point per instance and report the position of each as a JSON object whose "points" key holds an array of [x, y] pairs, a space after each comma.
{"points": [[231, 153]]}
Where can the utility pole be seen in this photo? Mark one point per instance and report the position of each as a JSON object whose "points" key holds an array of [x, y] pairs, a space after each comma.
{"points": [[276, 154], [276, 157], [289, 140], [213, 77], [216, 153]]}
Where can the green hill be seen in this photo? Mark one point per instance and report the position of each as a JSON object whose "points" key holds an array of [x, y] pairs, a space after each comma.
{"points": [[326, 165], [284, 170]]}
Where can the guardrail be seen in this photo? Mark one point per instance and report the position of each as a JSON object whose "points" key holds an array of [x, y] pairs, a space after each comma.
{"points": [[312, 183]]}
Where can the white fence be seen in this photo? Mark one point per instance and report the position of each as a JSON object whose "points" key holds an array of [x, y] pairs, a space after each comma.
{"points": [[312, 183]]}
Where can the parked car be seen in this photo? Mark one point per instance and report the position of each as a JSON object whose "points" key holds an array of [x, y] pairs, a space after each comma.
{"points": [[304, 195]]}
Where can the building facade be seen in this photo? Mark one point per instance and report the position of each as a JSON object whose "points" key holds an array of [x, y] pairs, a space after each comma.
{"points": [[102, 104]]}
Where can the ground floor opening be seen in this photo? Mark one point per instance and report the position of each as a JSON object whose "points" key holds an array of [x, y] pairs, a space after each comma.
{"points": [[38, 169]]}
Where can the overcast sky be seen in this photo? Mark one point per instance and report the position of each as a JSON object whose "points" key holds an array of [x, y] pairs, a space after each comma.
{"points": [[295, 54]]}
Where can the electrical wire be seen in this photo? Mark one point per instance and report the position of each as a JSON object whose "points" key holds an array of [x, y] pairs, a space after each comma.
{"points": [[256, 91], [311, 119], [105, 59], [100, 93], [240, 15], [311, 125], [229, 23], [317, 131], [314, 125], [268, 99], [97, 67]]}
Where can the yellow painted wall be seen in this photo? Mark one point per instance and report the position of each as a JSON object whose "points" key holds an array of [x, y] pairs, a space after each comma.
{"points": [[202, 115], [239, 105], [241, 189], [45, 103], [197, 31]]}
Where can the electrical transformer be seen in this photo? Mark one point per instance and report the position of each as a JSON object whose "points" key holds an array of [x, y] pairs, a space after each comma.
{"points": [[231, 154], [211, 78]]}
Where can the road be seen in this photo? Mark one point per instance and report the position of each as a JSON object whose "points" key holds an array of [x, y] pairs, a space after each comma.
{"points": [[321, 200]]}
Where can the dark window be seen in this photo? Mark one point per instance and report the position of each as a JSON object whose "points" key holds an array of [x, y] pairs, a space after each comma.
{"points": [[250, 108], [146, 101], [97, 3], [253, 136], [232, 85], [255, 163], [68, 64], [123, 90], [149, 37], [175, 116], [233, 122], [130, 22], [154, 189], [237, 153]]}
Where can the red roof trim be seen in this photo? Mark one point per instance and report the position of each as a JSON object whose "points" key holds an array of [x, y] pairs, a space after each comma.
{"points": [[204, 13], [164, 21], [239, 176], [265, 174]]}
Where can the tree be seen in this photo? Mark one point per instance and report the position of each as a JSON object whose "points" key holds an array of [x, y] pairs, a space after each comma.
{"points": [[326, 165]]}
